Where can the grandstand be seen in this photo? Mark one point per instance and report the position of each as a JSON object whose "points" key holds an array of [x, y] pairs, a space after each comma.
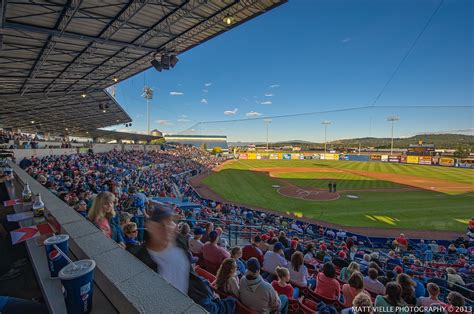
{"points": [[209, 141], [134, 205]]}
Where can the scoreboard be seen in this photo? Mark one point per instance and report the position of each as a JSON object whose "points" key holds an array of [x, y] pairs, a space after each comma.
{"points": [[421, 149]]}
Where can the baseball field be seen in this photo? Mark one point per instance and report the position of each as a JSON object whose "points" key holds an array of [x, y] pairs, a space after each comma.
{"points": [[369, 194]]}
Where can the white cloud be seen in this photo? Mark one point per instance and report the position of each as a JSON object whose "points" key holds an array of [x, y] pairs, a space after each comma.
{"points": [[205, 90], [184, 120], [163, 122], [183, 116], [274, 86], [204, 101], [176, 93], [268, 102], [139, 115], [231, 112], [253, 114], [208, 84], [345, 40], [268, 95]]}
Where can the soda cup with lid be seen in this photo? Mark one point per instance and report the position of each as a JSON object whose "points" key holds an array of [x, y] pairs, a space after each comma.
{"points": [[55, 260], [78, 283]]}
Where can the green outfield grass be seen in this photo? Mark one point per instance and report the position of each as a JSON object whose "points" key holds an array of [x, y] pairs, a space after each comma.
{"points": [[419, 209], [345, 181]]}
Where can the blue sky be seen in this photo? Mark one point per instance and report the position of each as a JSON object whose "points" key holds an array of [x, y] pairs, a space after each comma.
{"points": [[312, 56]]}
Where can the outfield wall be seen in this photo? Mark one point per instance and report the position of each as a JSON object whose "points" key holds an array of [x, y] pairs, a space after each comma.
{"points": [[403, 159]]}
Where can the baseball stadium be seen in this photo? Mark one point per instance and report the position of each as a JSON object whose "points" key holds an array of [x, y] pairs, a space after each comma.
{"points": [[236, 156]]}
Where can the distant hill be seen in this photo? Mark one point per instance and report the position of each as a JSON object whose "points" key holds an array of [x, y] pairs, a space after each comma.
{"points": [[446, 141]]}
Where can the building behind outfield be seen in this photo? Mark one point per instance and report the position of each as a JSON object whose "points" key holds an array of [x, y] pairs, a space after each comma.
{"points": [[210, 141]]}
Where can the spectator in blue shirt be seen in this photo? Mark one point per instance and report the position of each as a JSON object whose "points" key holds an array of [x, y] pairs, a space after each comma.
{"points": [[420, 290]]}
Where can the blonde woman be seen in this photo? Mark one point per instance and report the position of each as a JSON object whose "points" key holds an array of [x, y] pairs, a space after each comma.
{"points": [[102, 214], [346, 272]]}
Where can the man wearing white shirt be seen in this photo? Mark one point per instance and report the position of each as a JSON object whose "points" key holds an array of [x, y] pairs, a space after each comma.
{"points": [[274, 258], [195, 244]]}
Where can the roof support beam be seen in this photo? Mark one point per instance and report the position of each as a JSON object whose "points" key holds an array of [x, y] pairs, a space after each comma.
{"points": [[61, 25], [3, 14], [74, 36], [125, 15]]}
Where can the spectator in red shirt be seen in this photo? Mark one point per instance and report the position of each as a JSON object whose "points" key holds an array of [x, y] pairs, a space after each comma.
{"points": [[281, 286], [214, 254], [252, 250], [327, 286], [402, 242]]}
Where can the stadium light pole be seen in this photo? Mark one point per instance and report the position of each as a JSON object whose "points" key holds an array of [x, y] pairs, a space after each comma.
{"points": [[267, 123], [325, 123], [392, 119], [147, 94]]}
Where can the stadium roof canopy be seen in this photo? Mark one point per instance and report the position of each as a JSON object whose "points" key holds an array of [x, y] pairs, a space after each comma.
{"points": [[57, 57], [114, 135]]}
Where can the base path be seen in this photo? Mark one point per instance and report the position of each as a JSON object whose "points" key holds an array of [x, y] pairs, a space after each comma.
{"points": [[205, 192]]}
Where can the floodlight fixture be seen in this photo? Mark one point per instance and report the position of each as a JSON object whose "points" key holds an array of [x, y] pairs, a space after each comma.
{"points": [[173, 60], [157, 65], [392, 119], [228, 20]]}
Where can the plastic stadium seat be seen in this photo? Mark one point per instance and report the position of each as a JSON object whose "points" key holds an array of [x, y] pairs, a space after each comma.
{"points": [[318, 298], [293, 306], [309, 305], [205, 274], [242, 309], [211, 267]]}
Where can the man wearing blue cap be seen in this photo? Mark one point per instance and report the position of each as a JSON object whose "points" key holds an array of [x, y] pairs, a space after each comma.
{"points": [[259, 295], [195, 244], [172, 261], [274, 258]]}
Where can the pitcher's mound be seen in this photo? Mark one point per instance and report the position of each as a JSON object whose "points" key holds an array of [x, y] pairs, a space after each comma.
{"points": [[308, 193]]}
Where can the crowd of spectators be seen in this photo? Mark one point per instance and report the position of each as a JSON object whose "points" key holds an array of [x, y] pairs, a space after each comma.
{"points": [[287, 265]]}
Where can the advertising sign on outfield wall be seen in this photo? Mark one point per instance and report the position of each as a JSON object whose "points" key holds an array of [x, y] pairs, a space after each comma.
{"points": [[424, 160], [384, 157], [252, 156], [259, 156], [243, 156], [394, 158], [447, 162], [265, 156], [403, 159], [286, 156], [358, 157], [316, 156], [412, 159], [295, 156], [376, 157], [301, 156], [273, 156]]}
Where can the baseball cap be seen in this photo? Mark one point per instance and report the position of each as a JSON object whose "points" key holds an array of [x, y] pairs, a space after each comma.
{"points": [[253, 265], [278, 246], [265, 237], [213, 235], [398, 269], [294, 243], [160, 211], [342, 254], [198, 230], [409, 272]]}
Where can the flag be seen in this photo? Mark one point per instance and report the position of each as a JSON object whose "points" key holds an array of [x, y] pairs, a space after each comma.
{"points": [[12, 202], [26, 233]]}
